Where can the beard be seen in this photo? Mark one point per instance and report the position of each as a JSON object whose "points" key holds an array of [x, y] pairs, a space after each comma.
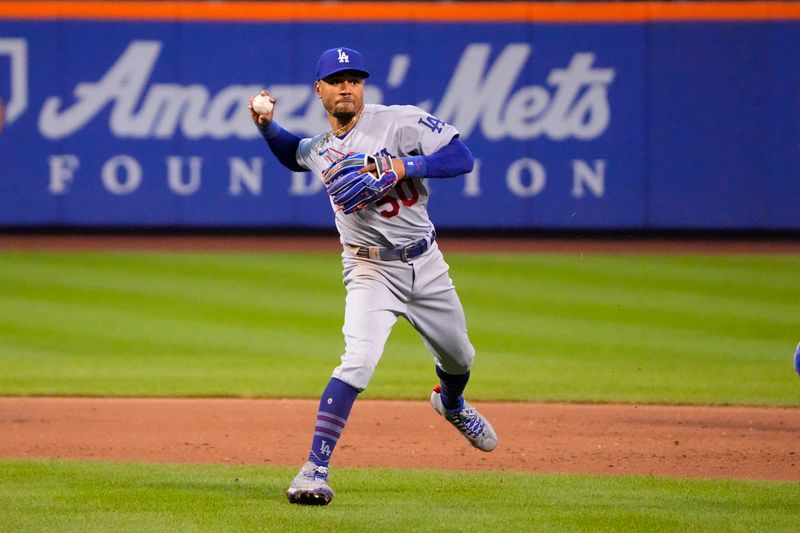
{"points": [[344, 117]]}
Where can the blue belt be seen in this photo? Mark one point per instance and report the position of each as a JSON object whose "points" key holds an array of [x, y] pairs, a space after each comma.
{"points": [[400, 253]]}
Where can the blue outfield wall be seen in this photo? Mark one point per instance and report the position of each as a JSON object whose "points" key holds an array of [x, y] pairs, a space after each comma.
{"points": [[659, 125]]}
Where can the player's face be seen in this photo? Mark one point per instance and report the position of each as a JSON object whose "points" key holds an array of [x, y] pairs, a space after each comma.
{"points": [[342, 93]]}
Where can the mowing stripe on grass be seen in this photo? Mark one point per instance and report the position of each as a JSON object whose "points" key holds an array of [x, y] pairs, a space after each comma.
{"points": [[91, 496], [601, 328]]}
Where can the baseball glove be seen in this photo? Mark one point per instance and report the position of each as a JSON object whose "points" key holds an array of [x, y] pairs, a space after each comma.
{"points": [[353, 187]]}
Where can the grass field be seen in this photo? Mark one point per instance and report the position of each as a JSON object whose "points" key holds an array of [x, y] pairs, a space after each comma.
{"points": [[595, 328], [672, 329], [82, 497]]}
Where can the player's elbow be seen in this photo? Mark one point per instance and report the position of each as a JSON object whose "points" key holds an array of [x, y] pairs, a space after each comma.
{"points": [[469, 163], [465, 158]]}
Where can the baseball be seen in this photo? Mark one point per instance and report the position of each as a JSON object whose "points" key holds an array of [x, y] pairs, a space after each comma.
{"points": [[262, 105]]}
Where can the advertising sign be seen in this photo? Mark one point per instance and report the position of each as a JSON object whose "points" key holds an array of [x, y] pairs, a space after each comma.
{"points": [[608, 125]]}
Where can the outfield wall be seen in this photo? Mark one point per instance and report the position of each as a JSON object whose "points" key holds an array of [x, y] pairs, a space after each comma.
{"points": [[603, 116]]}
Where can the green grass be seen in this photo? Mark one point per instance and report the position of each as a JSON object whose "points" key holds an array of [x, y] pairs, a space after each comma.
{"points": [[87, 496], [589, 328], [597, 328]]}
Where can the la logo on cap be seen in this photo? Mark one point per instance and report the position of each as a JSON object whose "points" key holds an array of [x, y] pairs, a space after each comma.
{"points": [[340, 59]]}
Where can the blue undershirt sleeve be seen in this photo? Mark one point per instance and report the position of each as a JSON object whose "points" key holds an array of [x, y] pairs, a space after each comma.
{"points": [[283, 144], [449, 161]]}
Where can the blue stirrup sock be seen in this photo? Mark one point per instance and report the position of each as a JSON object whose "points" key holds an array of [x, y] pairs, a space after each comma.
{"points": [[334, 408], [453, 386]]}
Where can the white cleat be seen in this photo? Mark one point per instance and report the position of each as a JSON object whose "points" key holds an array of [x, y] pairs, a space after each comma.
{"points": [[478, 431], [310, 486]]}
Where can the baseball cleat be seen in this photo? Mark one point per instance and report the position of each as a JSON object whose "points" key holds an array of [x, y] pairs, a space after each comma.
{"points": [[310, 486], [478, 431]]}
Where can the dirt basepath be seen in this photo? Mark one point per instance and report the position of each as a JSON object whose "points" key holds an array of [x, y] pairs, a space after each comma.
{"points": [[706, 442]]}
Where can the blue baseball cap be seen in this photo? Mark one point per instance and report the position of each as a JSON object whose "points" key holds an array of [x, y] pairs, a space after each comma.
{"points": [[338, 60]]}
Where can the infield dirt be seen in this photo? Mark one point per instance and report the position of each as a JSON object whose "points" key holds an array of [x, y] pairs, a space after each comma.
{"points": [[705, 442]]}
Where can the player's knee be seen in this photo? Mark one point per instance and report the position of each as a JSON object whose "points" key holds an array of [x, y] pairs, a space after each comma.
{"points": [[456, 368], [358, 364], [355, 381], [459, 362], [357, 377]]}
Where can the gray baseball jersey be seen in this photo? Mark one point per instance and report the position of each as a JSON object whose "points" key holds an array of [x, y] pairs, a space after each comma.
{"points": [[396, 131], [379, 291]]}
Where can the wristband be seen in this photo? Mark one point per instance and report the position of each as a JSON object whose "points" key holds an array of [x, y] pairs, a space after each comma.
{"points": [[416, 166], [271, 130]]}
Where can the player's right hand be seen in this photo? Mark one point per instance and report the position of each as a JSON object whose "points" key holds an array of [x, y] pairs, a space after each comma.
{"points": [[379, 166], [265, 119]]}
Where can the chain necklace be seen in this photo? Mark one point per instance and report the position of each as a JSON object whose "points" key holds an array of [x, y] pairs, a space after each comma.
{"points": [[338, 131]]}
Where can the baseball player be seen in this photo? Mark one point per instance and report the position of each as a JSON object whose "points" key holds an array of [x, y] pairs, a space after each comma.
{"points": [[373, 161]]}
